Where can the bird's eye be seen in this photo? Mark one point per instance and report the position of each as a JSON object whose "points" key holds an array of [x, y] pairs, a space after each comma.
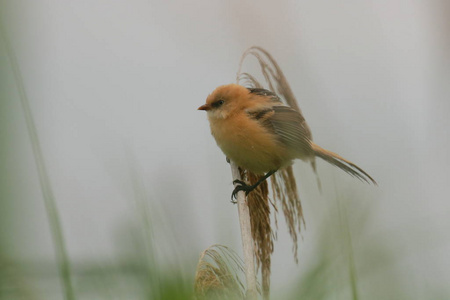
{"points": [[218, 103]]}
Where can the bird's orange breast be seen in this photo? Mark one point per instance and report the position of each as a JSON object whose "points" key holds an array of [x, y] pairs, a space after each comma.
{"points": [[249, 144]]}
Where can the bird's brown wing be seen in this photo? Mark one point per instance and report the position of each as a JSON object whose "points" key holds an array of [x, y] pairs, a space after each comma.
{"points": [[289, 126], [265, 93], [292, 131]]}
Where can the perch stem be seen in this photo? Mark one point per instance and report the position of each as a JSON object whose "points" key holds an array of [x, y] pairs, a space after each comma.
{"points": [[247, 241]]}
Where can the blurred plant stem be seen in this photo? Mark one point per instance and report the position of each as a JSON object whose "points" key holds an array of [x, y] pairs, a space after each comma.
{"points": [[49, 198], [145, 219], [247, 241], [343, 218]]}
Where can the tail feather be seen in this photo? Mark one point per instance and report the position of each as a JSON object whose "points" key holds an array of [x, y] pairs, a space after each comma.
{"points": [[342, 163]]}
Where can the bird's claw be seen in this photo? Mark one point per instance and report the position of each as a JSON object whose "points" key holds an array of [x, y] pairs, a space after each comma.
{"points": [[241, 186], [242, 183]]}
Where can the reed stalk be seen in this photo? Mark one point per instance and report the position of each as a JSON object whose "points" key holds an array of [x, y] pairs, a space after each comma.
{"points": [[246, 236], [46, 187]]}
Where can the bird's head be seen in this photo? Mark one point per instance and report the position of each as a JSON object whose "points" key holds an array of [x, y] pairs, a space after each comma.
{"points": [[226, 100]]}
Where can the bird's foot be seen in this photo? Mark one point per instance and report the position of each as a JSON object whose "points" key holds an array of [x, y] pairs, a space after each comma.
{"points": [[241, 186]]}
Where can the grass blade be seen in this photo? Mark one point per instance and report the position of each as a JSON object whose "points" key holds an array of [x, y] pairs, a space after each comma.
{"points": [[49, 198]]}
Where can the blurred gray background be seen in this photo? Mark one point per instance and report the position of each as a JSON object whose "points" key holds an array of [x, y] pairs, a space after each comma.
{"points": [[114, 88]]}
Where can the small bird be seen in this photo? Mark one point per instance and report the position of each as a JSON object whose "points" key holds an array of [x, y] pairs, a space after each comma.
{"points": [[257, 131]]}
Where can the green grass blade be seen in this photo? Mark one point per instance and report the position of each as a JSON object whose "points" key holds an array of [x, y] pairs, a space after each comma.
{"points": [[49, 198], [351, 259]]}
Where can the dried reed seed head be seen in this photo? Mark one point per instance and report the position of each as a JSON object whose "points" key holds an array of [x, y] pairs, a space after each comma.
{"points": [[283, 183], [218, 274]]}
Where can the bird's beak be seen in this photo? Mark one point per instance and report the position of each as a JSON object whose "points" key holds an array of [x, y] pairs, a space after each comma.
{"points": [[205, 107]]}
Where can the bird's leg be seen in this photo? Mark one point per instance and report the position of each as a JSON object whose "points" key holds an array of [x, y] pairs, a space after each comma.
{"points": [[242, 186]]}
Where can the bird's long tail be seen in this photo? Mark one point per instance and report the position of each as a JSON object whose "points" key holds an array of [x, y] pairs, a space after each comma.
{"points": [[342, 163]]}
